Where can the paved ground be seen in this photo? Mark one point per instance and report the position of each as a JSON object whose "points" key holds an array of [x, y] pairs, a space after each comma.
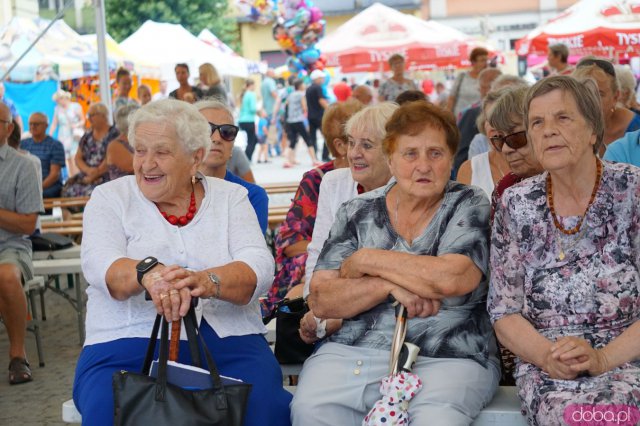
{"points": [[39, 402]]}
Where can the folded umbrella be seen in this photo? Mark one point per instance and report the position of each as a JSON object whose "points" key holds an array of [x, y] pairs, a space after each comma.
{"points": [[401, 385]]}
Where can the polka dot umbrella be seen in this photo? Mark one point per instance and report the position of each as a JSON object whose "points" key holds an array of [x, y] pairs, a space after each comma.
{"points": [[401, 385]]}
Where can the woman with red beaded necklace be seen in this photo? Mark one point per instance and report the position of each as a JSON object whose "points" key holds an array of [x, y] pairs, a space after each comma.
{"points": [[565, 262], [175, 234]]}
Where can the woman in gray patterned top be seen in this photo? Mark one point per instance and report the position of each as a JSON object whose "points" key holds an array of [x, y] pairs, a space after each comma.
{"points": [[424, 240]]}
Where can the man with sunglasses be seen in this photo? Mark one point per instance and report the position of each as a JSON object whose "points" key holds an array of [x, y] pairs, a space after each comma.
{"points": [[223, 135]]}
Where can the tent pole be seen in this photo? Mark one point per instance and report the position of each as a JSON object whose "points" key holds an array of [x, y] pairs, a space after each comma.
{"points": [[58, 16], [103, 67]]}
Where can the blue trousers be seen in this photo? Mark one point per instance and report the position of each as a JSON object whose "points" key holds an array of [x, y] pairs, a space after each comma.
{"points": [[248, 358]]}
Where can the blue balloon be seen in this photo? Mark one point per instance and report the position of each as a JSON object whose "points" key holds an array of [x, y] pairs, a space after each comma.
{"points": [[309, 56]]}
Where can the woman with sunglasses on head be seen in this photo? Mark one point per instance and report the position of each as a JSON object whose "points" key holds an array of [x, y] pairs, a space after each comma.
{"points": [[485, 170], [618, 119], [223, 136], [565, 262], [177, 235]]}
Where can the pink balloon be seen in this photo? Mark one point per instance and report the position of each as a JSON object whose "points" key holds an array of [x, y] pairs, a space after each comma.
{"points": [[316, 14]]}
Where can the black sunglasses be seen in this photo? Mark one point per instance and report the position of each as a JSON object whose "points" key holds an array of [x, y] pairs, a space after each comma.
{"points": [[605, 66], [514, 141], [228, 132]]}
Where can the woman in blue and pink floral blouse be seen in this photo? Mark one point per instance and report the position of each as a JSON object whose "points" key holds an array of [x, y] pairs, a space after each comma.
{"points": [[565, 263]]}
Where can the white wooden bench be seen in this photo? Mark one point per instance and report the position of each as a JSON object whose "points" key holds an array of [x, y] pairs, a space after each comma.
{"points": [[57, 267], [504, 409]]}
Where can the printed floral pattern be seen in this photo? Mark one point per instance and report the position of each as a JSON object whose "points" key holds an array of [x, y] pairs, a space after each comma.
{"points": [[93, 153], [594, 292]]}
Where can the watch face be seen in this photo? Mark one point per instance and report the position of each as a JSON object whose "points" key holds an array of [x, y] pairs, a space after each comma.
{"points": [[146, 264]]}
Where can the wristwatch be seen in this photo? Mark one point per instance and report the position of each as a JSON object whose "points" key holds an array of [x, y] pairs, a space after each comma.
{"points": [[216, 282], [144, 266]]}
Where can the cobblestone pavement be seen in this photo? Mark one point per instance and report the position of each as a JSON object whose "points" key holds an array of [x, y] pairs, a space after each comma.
{"points": [[40, 401]]}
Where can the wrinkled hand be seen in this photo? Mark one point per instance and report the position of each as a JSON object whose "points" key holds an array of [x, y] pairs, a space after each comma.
{"points": [[189, 284], [415, 305], [308, 328], [579, 355], [349, 267], [163, 294]]}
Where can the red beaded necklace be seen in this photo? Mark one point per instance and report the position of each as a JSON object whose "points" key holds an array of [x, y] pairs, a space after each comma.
{"points": [[556, 222], [183, 220]]}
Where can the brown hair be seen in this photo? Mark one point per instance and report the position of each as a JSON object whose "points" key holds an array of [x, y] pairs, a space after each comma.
{"points": [[410, 96], [413, 117], [396, 57], [334, 119], [122, 72], [478, 51]]}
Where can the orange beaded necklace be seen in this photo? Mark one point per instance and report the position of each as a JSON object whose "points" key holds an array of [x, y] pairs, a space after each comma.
{"points": [[556, 222]]}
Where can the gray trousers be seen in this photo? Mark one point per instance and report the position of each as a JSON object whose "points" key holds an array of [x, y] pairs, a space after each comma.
{"points": [[339, 384]]}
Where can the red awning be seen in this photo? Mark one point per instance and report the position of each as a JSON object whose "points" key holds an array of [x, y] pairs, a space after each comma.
{"points": [[366, 41], [590, 27]]}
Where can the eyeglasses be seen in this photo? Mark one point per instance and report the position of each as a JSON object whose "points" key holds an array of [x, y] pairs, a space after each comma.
{"points": [[228, 132], [605, 66], [5, 121], [514, 141], [37, 124]]}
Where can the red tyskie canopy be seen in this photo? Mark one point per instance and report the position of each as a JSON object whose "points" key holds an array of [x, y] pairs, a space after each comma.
{"points": [[590, 27], [365, 42]]}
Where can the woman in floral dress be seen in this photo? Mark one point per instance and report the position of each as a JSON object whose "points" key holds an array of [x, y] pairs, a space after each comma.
{"points": [[91, 155], [565, 261]]}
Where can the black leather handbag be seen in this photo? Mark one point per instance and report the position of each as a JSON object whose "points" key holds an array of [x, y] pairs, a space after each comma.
{"points": [[141, 399], [48, 241], [289, 347]]}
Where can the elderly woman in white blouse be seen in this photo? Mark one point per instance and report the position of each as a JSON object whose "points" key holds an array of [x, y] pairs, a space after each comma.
{"points": [[175, 234], [368, 170]]}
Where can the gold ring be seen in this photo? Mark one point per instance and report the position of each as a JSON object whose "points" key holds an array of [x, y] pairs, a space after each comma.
{"points": [[174, 291], [163, 295]]}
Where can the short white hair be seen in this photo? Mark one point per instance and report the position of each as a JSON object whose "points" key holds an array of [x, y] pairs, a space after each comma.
{"points": [[191, 127]]}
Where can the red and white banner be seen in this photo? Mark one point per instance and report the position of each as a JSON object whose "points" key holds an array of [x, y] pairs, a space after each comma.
{"points": [[608, 28]]}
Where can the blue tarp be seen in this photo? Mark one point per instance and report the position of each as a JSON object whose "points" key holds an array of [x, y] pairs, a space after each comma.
{"points": [[32, 97]]}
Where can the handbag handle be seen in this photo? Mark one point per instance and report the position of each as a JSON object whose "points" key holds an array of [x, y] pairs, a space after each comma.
{"points": [[193, 336]]}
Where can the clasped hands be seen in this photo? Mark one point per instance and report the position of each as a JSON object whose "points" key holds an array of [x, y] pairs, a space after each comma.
{"points": [[571, 356], [172, 287]]}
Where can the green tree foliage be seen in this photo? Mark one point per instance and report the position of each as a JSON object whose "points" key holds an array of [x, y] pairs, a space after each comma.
{"points": [[124, 17]]}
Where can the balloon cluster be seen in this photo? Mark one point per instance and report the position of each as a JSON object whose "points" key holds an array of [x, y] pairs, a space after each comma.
{"points": [[297, 28]]}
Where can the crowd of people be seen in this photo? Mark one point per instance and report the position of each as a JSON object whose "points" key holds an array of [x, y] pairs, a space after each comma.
{"points": [[502, 216]]}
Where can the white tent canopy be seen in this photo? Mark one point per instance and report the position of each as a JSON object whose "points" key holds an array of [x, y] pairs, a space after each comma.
{"points": [[168, 44], [234, 59]]}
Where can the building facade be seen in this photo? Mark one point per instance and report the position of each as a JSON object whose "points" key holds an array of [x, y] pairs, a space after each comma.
{"points": [[22, 8]]}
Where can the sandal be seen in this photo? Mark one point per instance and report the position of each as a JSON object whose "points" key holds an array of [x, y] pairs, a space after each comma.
{"points": [[19, 371]]}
